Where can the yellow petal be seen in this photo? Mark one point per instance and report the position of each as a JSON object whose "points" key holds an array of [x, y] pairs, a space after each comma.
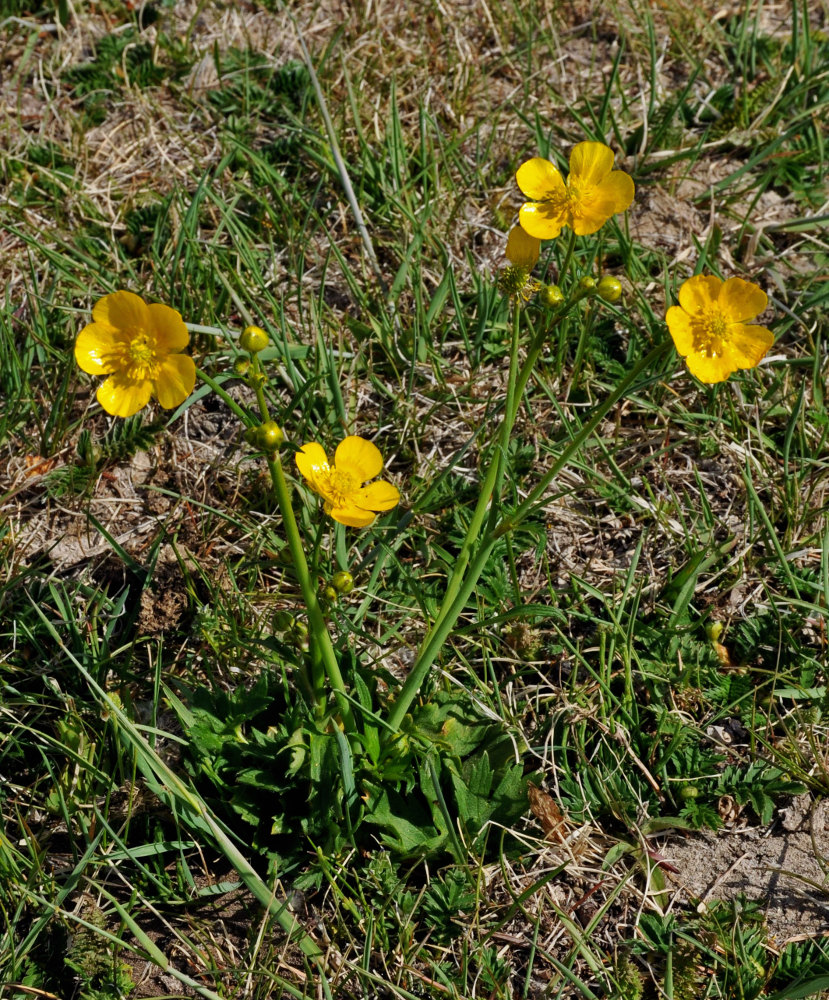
{"points": [[522, 249], [590, 220], [698, 294], [170, 332], [122, 396], [123, 310], [709, 370], [377, 496], [175, 380], [358, 457], [741, 300], [543, 219], [614, 194], [95, 347], [540, 180], [311, 460], [747, 345], [591, 161], [681, 329], [350, 515]]}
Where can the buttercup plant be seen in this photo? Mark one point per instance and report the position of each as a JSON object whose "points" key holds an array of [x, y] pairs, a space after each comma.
{"points": [[139, 347]]}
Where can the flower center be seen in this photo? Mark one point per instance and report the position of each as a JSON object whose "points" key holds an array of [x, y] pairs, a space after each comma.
{"points": [[710, 332], [515, 280], [337, 486], [580, 194], [138, 357]]}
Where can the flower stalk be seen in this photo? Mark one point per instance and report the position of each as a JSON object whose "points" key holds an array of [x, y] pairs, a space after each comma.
{"points": [[323, 656], [463, 582]]}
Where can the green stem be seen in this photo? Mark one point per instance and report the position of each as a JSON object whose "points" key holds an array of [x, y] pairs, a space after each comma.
{"points": [[455, 603], [511, 409], [568, 257], [487, 503], [515, 390], [578, 440], [320, 637], [224, 395], [323, 649], [490, 485], [581, 349]]}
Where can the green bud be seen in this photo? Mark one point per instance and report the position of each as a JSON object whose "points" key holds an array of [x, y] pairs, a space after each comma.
{"points": [[253, 339], [343, 582], [688, 792], [551, 296], [609, 289], [587, 285], [270, 436], [241, 366], [298, 635], [328, 593], [282, 621]]}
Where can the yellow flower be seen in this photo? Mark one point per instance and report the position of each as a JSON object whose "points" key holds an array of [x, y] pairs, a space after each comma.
{"points": [[137, 345], [593, 192], [341, 484], [709, 329]]}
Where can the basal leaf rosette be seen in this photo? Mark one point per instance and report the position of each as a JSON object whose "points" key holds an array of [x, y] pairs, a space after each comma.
{"points": [[138, 345], [710, 327]]}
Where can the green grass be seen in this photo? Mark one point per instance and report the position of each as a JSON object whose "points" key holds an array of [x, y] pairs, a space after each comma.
{"points": [[169, 795]]}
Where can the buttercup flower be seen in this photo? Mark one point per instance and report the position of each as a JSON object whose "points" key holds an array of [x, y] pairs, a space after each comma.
{"points": [[522, 253], [709, 330], [341, 484], [592, 193], [137, 345]]}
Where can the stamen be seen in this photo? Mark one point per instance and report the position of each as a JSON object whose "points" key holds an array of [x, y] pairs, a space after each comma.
{"points": [[141, 359], [579, 196], [710, 332], [338, 486]]}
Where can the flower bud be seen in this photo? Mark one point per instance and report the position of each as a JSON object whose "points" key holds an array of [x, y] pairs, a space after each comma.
{"points": [[270, 436], [253, 339], [551, 296], [241, 366], [298, 635], [342, 582], [609, 289], [328, 593], [587, 285], [282, 621]]}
